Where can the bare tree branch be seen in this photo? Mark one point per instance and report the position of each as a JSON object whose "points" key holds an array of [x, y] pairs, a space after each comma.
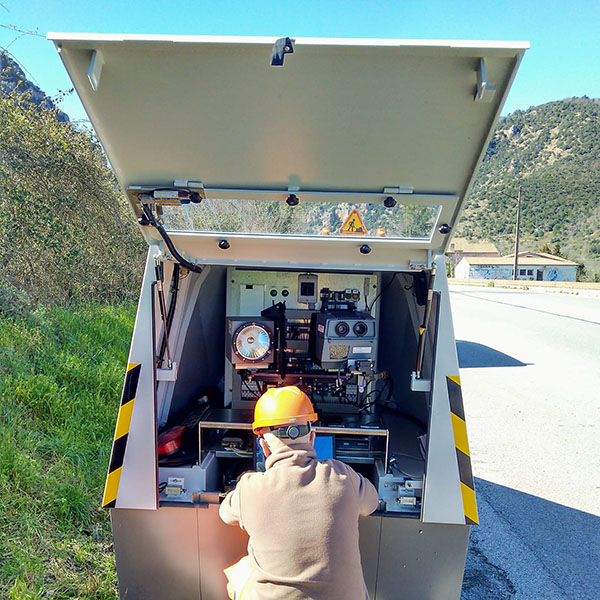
{"points": [[14, 28], [13, 41]]}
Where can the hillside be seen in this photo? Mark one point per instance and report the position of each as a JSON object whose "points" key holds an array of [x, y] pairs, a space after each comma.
{"points": [[66, 233], [13, 80], [553, 152]]}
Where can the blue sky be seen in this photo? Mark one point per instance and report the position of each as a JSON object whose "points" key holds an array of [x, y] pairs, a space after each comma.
{"points": [[564, 59]]}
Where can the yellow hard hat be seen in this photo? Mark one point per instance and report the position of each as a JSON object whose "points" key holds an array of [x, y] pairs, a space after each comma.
{"points": [[279, 406]]}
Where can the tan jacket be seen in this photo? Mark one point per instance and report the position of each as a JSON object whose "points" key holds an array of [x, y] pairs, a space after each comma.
{"points": [[302, 518]]}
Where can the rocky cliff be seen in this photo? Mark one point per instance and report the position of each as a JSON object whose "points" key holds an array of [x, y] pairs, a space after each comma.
{"points": [[14, 81]]}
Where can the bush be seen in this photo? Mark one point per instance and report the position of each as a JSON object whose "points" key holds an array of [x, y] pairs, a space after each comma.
{"points": [[65, 231], [14, 303]]}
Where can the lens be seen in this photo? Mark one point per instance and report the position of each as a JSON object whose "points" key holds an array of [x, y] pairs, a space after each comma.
{"points": [[252, 342], [342, 328], [360, 328]]}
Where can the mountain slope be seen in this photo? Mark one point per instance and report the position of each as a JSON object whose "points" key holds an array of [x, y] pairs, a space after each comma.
{"points": [[13, 80], [553, 152]]}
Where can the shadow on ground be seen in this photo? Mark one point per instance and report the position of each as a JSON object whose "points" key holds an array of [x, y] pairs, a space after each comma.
{"points": [[472, 355], [530, 548]]}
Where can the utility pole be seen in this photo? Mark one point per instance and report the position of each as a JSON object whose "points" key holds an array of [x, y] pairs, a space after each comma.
{"points": [[517, 235]]}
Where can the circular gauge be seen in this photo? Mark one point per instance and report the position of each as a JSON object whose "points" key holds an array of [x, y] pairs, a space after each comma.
{"points": [[360, 328], [285, 292], [342, 328], [252, 342]]}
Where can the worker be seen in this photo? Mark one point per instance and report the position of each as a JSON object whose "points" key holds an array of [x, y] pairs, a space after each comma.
{"points": [[301, 514]]}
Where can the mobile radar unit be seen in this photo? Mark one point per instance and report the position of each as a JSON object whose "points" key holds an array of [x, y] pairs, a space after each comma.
{"points": [[297, 197]]}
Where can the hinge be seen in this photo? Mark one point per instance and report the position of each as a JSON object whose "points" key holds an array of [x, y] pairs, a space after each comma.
{"points": [[398, 190], [417, 265]]}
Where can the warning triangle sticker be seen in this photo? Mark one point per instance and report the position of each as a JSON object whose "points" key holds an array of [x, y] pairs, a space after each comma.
{"points": [[353, 225]]}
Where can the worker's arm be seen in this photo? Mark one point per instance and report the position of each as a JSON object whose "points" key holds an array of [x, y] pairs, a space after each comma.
{"points": [[230, 510], [368, 500]]}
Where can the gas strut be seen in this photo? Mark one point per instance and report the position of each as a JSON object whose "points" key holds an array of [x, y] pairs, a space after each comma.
{"points": [[158, 269], [423, 328], [170, 312]]}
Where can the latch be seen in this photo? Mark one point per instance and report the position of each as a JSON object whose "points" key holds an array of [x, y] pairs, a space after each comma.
{"points": [[95, 70], [174, 488], [419, 385], [485, 90], [182, 192], [167, 374], [281, 47]]}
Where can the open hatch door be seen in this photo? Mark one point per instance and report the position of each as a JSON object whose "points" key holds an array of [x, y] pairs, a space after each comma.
{"points": [[339, 121]]}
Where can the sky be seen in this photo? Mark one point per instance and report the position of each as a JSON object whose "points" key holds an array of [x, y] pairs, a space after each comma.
{"points": [[564, 59]]}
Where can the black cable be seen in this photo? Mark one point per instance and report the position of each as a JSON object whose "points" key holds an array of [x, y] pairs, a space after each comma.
{"points": [[163, 234], [394, 465], [381, 292], [255, 394], [388, 384], [365, 405]]}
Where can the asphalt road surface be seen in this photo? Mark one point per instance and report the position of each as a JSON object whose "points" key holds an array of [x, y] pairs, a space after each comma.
{"points": [[530, 372]]}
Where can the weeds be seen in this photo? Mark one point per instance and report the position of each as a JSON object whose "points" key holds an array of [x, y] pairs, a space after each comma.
{"points": [[61, 371]]}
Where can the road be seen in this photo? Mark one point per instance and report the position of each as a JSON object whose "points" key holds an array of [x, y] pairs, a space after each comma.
{"points": [[530, 371]]}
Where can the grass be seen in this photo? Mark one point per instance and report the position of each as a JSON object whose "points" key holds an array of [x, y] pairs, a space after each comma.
{"points": [[61, 373]]}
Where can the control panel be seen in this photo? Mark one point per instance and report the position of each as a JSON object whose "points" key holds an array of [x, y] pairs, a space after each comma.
{"points": [[315, 330]]}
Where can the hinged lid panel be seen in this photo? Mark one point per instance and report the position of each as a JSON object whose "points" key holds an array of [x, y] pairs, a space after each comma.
{"points": [[338, 116]]}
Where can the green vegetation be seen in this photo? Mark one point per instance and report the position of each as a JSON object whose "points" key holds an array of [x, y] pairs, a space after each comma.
{"points": [[553, 152], [61, 371], [71, 263], [65, 231]]}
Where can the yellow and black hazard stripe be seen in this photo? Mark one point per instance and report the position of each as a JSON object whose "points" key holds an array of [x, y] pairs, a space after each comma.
{"points": [[459, 427], [121, 433]]}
